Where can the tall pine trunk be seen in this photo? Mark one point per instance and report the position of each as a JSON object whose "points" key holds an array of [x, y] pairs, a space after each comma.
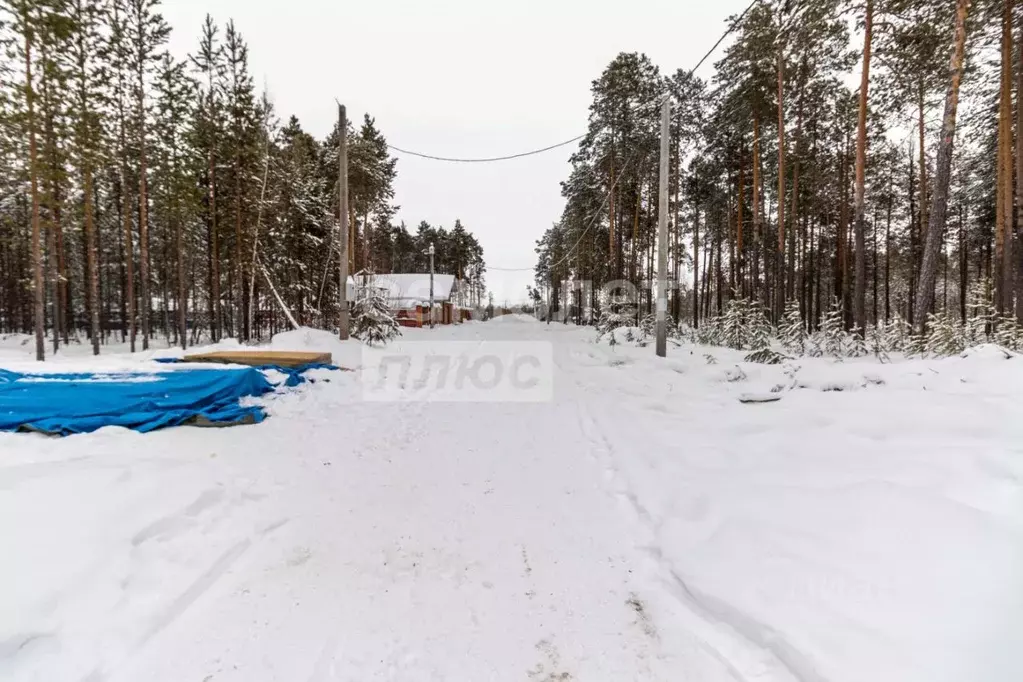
{"points": [[179, 252], [143, 219], [943, 168], [696, 264], [90, 252], [129, 248], [1019, 178], [755, 275], [214, 248], [1003, 211], [611, 208], [37, 250], [740, 278], [239, 276], [859, 299], [779, 268]]}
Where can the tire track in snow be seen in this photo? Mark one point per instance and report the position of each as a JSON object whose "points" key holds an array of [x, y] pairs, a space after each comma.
{"points": [[749, 650]]}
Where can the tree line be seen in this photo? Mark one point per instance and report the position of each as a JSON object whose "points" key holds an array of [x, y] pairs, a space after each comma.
{"points": [[142, 194], [858, 156]]}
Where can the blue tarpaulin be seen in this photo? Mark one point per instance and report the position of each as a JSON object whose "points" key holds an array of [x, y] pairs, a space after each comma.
{"points": [[79, 403]]}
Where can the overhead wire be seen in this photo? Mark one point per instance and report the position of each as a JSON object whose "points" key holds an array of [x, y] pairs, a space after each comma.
{"points": [[593, 221], [607, 196], [533, 152], [486, 159]]}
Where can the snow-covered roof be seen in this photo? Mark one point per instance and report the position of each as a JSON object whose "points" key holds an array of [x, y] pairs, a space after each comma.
{"points": [[409, 287]]}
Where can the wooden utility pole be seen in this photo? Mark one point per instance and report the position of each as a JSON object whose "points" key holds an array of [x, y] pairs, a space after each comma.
{"points": [[342, 161], [662, 232]]}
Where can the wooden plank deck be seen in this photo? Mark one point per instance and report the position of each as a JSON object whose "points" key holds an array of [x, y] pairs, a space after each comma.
{"points": [[256, 358]]}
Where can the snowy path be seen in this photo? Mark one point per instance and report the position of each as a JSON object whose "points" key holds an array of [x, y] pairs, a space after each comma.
{"points": [[642, 526]]}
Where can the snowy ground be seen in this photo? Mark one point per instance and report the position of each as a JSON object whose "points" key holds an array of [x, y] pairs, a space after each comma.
{"points": [[643, 525]]}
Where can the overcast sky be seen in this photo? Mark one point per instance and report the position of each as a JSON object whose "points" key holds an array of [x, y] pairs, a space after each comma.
{"points": [[465, 78]]}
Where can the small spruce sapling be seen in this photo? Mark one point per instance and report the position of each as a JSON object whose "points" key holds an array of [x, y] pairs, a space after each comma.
{"points": [[792, 331], [372, 322]]}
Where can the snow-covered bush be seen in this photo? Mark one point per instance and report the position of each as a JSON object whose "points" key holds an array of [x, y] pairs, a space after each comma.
{"points": [[944, 336], [709, 333], [1007, 333], [743, 326], [616, 315], [792, 330], [895, 335], [831, 339], [876, 341], [372, 322]]}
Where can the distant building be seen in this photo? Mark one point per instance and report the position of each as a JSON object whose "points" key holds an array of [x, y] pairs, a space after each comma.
{"points": [[408, 295]]}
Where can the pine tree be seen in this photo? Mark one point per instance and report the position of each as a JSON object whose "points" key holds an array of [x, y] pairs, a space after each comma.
{"points": [[87, 82], [939, 205], [117, 54], [240, 104], [52, 30], [145, 32], [177, 200], [209, 62], [25, 18]]}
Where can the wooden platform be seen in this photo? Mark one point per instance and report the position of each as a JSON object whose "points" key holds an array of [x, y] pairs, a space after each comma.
{"points": [[256, 358]]}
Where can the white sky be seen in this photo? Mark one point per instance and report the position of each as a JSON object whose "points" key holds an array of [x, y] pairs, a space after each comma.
{"points": [[466, 78]]}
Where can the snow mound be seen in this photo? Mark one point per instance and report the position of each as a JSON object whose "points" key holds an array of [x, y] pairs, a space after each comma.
{"points": [[344, 353], [988, 351], [632, 335]]}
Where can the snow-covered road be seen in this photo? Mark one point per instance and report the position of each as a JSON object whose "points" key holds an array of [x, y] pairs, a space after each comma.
{"points": [[643, 525]]}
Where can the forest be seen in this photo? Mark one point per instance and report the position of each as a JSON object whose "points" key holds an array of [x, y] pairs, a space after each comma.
{"points": [[144, 195], [861, 158]]}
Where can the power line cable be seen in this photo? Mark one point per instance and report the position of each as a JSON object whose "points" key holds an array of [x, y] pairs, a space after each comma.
{"points": [[490, 159], [593, 221], [723, 36], [485, 159]]}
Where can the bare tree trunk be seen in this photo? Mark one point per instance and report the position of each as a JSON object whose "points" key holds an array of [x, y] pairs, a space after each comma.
{"points": [[696, 265], [90, 248], [611, 206], [755, 284], [846, 228], [859, 299], [1002, 218], [888, 258], [144, 234], [740, 279], [635, 234], [873, 265], [922, 189], [214, 254], [799, 235], [1019, 179], [731, 243], [1005, 286], [779, 268], [943, 167], [840, 232], [239, 277], [719, 278], [51, 267], [964, 265]]}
